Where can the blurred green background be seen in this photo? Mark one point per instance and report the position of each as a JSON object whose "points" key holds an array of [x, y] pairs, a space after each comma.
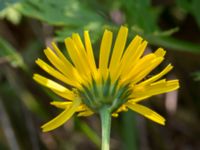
{"points": [[28, 26]]}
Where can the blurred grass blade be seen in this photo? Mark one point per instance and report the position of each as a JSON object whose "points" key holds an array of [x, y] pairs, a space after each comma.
{"points": [[89, 133], [8, 53], [196, 76], [175, 44], [195, 10], [27, 98], [185, 4], [166, 32], [192, 7], [129, 132], [7, 128]]}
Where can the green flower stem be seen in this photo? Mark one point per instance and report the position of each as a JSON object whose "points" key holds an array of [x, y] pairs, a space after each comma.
{"points": [[105, 125]]}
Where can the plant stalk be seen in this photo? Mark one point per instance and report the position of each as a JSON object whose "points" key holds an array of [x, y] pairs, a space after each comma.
{"points": [[105, 116]]}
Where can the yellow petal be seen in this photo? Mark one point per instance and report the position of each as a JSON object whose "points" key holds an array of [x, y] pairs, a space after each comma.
{"points": [[130, 56], [162, 81], [152, 65], [66, 105], [85, 113], [61, 56], [70, 68], [138, 99], [132, 59], [157, 76], [155, 88], [89, 51], [106, 44], [82, 107], [147, 65], [48, 83], [141, 65], [79, 44], [115, 115], [61, 118], [53, 86], [146, 112], [64, 95], [62, 105], [132, 50], [160, 52], [118, 50], [55, 73], [81, 48], [76, 57], [67, 69], [122, 108]]}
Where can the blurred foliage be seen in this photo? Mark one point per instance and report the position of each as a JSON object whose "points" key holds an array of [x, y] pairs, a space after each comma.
{"points": [[141, 15], [192, 7], [11, 13], [67, 13], [27, 25], [10, 54]]}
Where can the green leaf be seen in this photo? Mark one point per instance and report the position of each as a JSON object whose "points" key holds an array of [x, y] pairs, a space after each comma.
{"points": [[5, 3], [11, 13], [8, 53], [62, 12], [141, 14], [195, 10], [184, 4], [92, 27], [196, 76]]}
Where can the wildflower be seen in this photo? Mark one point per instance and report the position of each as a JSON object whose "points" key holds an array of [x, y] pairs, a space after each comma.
{"points": [[116, 84]]}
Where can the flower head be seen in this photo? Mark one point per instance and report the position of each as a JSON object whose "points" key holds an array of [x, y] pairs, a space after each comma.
{"points": [[117, 81]]}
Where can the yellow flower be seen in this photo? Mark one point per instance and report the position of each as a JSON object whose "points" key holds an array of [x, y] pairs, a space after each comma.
{"points": [[117, 81]]}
